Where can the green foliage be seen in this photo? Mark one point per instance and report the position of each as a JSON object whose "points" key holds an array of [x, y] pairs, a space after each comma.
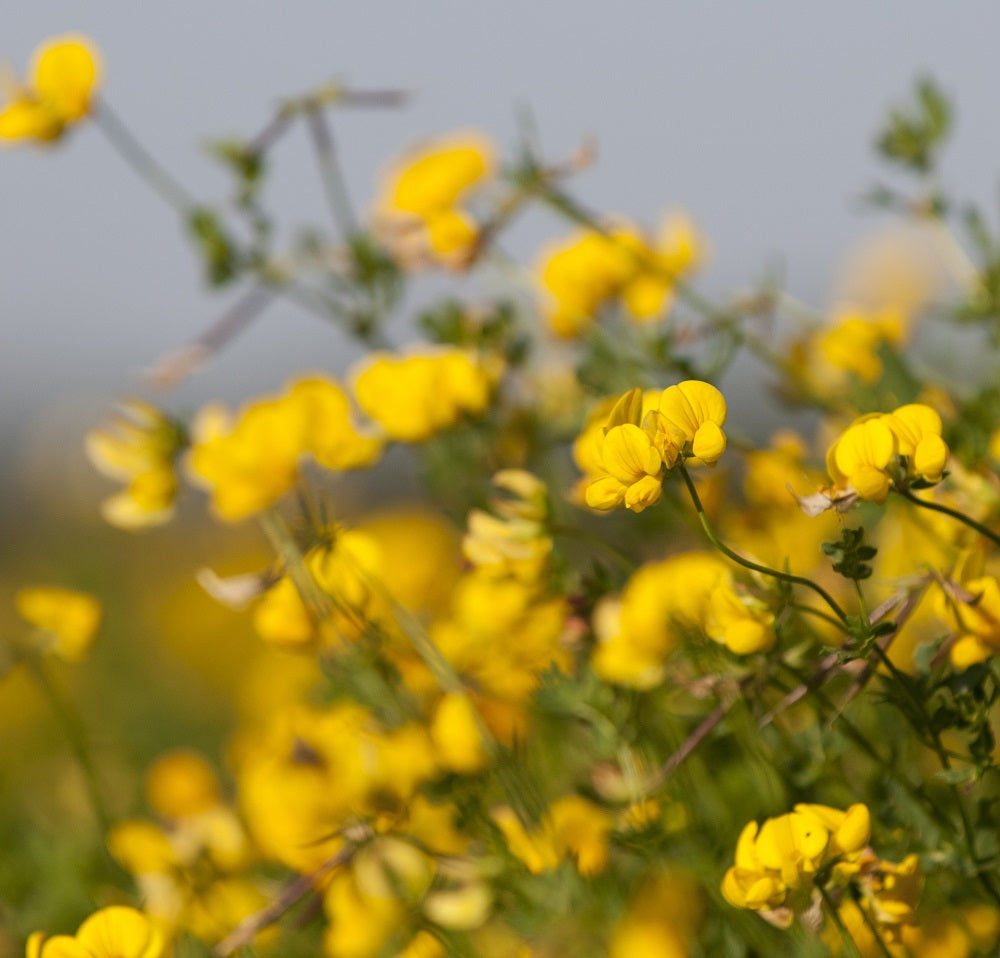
{"points": [[913, 136]]}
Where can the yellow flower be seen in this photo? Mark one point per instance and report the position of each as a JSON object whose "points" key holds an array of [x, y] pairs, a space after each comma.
{"points": [[777, 863], [689, 422], [139, 447], [851, 343], [67, 620], [457, 735], [582, 274], [115, 932], [572, 826], [881, 449], [64, 73], [917, 429], [413, 397], [181, 783], [418, 212], [860, 459], [578, 277], [249, 463]]}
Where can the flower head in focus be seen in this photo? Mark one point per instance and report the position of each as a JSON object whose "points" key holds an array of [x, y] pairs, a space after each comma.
{"points": [[58, 93], [115, 932], [882, 451], [627, 460]]}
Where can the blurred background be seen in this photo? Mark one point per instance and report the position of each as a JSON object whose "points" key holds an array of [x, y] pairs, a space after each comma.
{"points": [[756, 118]]}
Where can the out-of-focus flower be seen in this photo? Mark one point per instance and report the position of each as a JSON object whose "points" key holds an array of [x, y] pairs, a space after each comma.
{"points": [[661, 921], [572, 826], [115, 932], [661, 602], [972, 605], [584, 273], [59, 92], [415, 396], [249, 463], [419, 211], [66, 621], [138, 446], [513, 541], [850, 344], [190, 868]]}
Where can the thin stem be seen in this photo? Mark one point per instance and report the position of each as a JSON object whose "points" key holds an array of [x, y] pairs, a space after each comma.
{"points": [[72, 727], [968, 831], [954, 513], [831, 909], [141, 160], [747, 563], [684, 752], [246, 930], [333, 179], [872, 927]]}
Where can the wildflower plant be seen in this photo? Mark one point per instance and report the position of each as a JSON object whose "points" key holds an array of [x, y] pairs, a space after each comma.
{"points": [[632, 680]]}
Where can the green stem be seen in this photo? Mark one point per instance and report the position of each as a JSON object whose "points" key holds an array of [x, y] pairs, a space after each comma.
{"points": [[73, 729], [818, 613], [281, 539], [831, 909], [954, 513], [747, 563], [968, 831], [141, 160], [872, 927]]}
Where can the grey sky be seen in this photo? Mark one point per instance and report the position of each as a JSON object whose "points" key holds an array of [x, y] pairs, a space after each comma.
{"points": [[756, 117]]}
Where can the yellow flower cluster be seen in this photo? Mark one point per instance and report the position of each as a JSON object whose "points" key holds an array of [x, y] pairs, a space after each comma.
{"points": [[115, 932], [636, 444], [248, 463], [777, 863], [585, 272], [691, 593], [850, 344], [413, 397], [64, 74], [190, 867], [881, 450], [419, 212]]}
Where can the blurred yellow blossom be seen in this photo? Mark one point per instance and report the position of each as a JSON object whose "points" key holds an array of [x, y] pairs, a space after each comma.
{"points": [[850, 343], [248, 463], [414, 396], [582, 274], [115, 932], [66, 621], [419, 212], [664, 601], [138, 446], [64, 73]]}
